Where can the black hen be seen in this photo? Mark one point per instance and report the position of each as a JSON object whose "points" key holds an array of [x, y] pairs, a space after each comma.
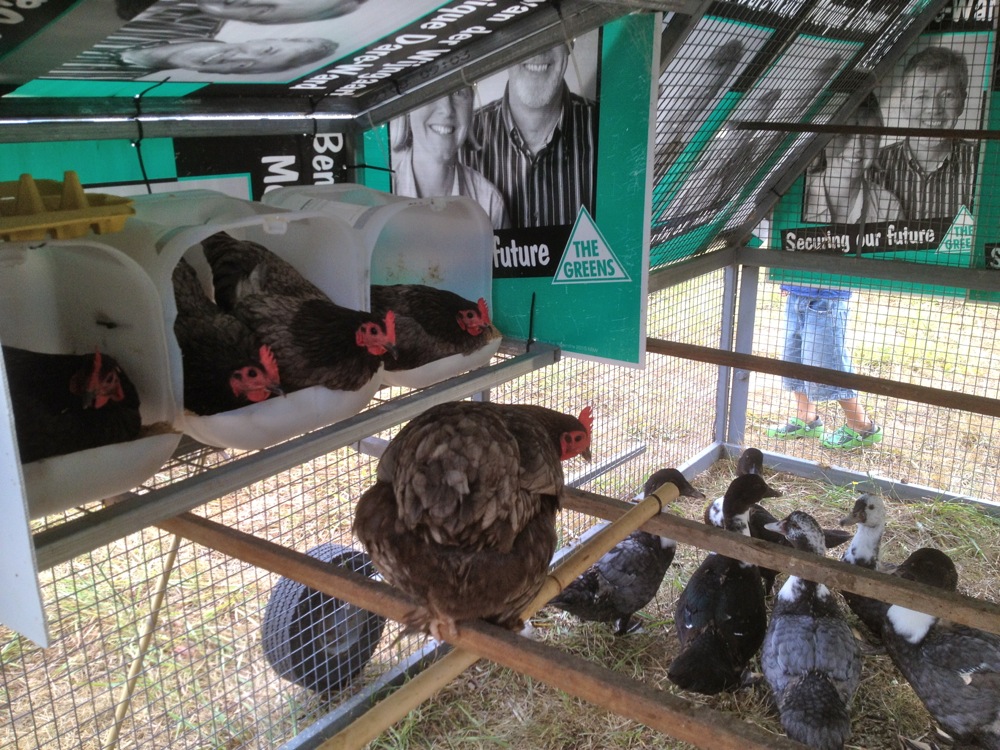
{"points": [[810, 659], [65, 403], [628, 576], [720, 615], [224, 365], [317, 341], [432, 323]]}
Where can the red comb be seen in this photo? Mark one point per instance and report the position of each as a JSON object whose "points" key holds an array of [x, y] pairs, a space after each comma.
{"points": [[587, 418], [484, 311], [269, 363], [390, 326]]}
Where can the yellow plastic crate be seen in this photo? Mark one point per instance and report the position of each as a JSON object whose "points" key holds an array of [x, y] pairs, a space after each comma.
{"points": [[33, 209]]}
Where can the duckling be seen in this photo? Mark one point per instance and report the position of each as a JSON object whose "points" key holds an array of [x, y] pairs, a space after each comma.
{"points": [[869, 514], [954, 669], [720, 615], [810, 658], [751, 461], [628, 576]]}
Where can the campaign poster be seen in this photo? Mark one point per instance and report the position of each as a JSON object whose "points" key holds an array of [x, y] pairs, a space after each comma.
{"points": [[913, 198], [986, 247], [242, 167], [732, 160], [555, 150], [361, 52]]}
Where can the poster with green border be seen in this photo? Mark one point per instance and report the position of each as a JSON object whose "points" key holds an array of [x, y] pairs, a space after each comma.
{"points": [[570, 211], [591, 300], [903, 198]]}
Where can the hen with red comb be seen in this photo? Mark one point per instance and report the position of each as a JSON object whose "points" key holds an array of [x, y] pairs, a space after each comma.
{"points": [[65, 403], [432, 323], [224, 365], [315, 340], [462, 514]]}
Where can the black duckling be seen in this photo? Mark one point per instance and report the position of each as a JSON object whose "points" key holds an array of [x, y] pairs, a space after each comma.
{"points": [[869, 514], [720, 615], [751, 461], [954, 669], [628, 576], [810, 658]]}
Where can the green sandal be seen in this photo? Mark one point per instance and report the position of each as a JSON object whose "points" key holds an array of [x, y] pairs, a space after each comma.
{"points": [[846, 438], [796, 428]]}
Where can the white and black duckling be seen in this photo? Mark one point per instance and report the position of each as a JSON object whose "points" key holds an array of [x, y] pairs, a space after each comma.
{"points": [[720, 615], [954, 669], [869, 515], [628, 576], [751, 461], [810, 658]]}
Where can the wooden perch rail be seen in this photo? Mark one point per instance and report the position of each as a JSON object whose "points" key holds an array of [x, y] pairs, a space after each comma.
{"points": [[426, 684], [674, 716], [893, 388], [835, 574]]}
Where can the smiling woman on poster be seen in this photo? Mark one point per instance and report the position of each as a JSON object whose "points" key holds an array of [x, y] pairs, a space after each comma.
{"points": [[425, 146], [839, 189]]}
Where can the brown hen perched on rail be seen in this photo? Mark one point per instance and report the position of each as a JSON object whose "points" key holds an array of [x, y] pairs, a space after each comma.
{"points": [[462, 514]]}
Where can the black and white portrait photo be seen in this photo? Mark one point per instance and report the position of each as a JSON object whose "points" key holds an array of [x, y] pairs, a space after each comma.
{"points": [[254, 41], [727, 166], [695, 81], [938, 85], [534, 134]]}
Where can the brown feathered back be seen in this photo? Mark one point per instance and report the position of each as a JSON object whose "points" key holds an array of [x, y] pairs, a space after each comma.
{"points": [[462, 515]]}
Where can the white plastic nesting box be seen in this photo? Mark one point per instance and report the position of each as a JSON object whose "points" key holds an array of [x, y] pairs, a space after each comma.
{"points": [[73, 297], [326, 250], [444, 242]]}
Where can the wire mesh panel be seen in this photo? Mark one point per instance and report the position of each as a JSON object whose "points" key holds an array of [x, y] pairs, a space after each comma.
{"points": [[939, 342], [203, 679], [729, 91]]}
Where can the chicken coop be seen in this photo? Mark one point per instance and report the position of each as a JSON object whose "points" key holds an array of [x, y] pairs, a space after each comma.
{"points": [[643, 199]]}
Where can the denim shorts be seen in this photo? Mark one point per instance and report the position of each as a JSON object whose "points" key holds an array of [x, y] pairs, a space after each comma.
{"points": [[815, 334]]}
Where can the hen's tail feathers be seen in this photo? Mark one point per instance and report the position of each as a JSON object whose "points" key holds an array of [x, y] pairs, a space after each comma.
{"points": [[231, 267], [705, 667], [813, 713]]}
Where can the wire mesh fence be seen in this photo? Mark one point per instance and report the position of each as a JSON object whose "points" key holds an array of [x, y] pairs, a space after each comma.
{"points": [[939, 342], [158, 642], [203, 680]]}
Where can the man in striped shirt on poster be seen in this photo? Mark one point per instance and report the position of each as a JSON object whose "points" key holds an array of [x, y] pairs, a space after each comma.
{"points": [[932, 176], [538, 143]]}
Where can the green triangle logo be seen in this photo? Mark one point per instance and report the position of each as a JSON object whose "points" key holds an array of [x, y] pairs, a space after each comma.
{"points": [[588, 259], [958, 238]]}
